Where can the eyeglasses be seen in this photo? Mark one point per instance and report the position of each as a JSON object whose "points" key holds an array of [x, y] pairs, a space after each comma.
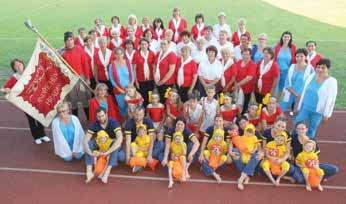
{"points": [[63, 111], [262, 39]]}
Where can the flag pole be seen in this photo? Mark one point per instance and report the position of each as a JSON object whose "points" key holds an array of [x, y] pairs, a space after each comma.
{"points": [[28, 24]]}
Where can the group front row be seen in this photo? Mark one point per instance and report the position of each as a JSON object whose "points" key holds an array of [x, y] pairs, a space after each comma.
{"points": [[142, 143]]}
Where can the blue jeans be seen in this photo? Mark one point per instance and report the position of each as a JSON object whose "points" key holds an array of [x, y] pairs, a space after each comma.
{"points": [[248, 168], [329, 171], [78, 156], [313, 120], [207, 170], [158, 150], [115, 157]]}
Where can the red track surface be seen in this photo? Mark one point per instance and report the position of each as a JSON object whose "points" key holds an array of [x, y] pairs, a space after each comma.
{"points": [[65, 182]]}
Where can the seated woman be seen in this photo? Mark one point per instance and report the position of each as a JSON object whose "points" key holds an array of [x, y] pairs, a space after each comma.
{"points": [[174, 107], [177, 163], [194, 115], [270, 113], [68, 134], [140, 150], [245, 155], [276, 154], [308, 162], [215, 155], [104, 100], [133, 99]]}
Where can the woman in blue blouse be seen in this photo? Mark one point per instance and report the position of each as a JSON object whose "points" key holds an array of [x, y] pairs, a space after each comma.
{"points": [[257, 49]]}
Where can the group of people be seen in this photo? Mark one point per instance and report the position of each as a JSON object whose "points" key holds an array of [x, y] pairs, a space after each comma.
{"points": [[175, 97]]}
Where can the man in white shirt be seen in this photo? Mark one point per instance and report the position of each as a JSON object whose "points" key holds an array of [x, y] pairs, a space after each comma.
{"points": [[224, 43], [244, 43], [185, 41], [221, 25]]}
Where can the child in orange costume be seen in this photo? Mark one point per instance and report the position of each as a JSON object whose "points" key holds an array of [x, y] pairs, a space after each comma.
{"points": [[308, 162], [103, 143], [177, 165], [216, 153], [140, 149], [276, 154]]}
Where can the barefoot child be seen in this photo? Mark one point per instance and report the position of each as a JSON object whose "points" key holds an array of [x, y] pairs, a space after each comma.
{"points": [[308, 162], [215, 155], [276, 154], [177, 165], [140, 149], [133, 99], [228, 110], [101, 168]]}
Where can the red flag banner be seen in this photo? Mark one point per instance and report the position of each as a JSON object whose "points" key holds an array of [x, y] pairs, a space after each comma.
{"points": [[45, 82]]}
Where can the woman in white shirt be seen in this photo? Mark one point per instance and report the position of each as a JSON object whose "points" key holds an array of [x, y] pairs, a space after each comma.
{"points": [[210, 70]]}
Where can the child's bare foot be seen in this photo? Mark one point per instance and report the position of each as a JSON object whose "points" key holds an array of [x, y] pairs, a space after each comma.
{"points": [[246, 180], [170, 185], [89, 176], [308, 187], [277, 182], [104, 179], [217, 178], [320, 188], [240, 185], [183, 179], [187, 175], [290, 179]]}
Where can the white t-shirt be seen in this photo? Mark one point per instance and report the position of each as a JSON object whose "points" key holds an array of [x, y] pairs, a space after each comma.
{"points": [[228, 45], [217, 27], [210, 71], [212, 41]]}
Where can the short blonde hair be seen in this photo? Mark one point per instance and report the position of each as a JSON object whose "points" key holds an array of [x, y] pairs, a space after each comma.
{"points": [[100, 86], [264, 35], [185, 47], [169, 31], [242, 20], [63, 104], [227, 50]]}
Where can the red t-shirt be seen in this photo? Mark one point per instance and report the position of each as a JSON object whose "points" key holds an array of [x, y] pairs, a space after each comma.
{"points": [[235, 38], [171, 58], [270, 118], [77, 59], [156, 113], [162, 36], [230, 114], [122, 31], [174, 109], [190, 69], [138, 60], [268, 78], [242, 72], [10, 82], [228, 74], [314, 61]]}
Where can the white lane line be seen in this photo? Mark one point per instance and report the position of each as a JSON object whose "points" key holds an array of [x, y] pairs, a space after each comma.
{"points": [[47, 171], [48, 129]]}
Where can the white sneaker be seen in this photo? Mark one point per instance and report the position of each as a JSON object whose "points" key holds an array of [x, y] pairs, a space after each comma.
{"points": [[45, 139], [38, 141]]}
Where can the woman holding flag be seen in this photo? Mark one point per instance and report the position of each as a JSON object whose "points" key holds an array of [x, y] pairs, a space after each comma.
{"points": [[36, 128]]}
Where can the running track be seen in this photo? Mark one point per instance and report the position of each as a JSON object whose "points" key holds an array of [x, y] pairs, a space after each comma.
{"points": [[33, 174]]}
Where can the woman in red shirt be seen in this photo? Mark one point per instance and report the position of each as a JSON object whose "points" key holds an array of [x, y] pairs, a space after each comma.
{"points": [[270, 113], [186, 73], [164, 71], [159, 29], [102, 58], [36, 128], [230, 70], [177, 24], [246, 72], [267, 75], [198, 30], [116, 26], [143, 62], [104, 100]]}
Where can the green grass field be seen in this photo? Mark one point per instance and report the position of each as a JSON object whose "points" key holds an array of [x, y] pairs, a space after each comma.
{"points": [[53, 18]]}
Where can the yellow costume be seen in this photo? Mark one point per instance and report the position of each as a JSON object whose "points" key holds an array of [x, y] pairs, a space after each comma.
{"points": [[104, 143], [141, 147], [307, 162], [216, 153], [178, 155], [277, 151], [250, 143]]}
